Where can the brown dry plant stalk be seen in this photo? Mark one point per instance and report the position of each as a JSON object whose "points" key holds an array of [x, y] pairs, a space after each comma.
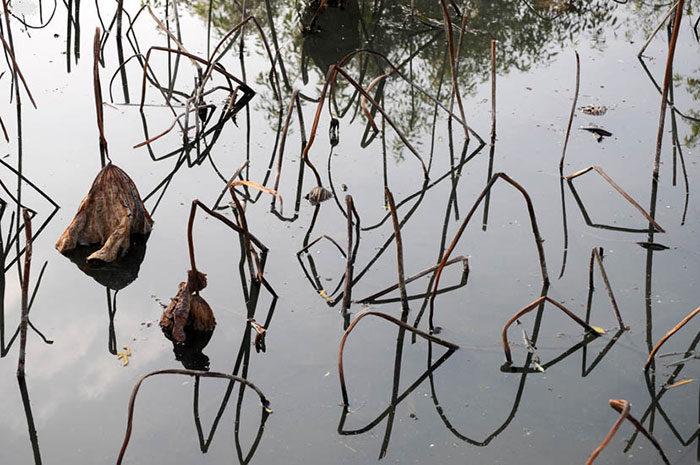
{"points": [[200, 374], [666, 337], [623, 408], [529, 308], [619, 189]]}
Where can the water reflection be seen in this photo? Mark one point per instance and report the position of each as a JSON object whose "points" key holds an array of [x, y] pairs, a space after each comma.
{"points": [[386, 64]]}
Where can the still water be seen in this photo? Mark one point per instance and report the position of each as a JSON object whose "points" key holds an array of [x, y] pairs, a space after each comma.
{"points": [[408, 401]]}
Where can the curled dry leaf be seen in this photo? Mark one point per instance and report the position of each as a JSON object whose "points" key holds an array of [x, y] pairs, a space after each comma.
{"points": [[317, 195], [187, 309], [260, 333], [110, 213], [259, 187]]}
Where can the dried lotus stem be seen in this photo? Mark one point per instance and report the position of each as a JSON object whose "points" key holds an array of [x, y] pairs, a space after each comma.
{"points": [[673, 331], [465, 222], [595, 254], [104, 153], [619, 189], [399, 251], [529, 308], [25, 293], [391, 319], [623, 407], [203, 374]]}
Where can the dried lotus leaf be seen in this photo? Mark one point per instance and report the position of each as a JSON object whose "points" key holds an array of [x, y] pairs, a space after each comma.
{"points": [[110, 213]]}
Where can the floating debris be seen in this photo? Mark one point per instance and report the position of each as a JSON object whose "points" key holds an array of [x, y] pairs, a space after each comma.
{"points": [[594, 110], [124, 356], [325, 295], [259, 336], [317, 195], [653, 246], [599, 133], [110, 213]]}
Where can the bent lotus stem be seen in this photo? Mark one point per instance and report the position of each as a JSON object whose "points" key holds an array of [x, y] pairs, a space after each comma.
{"points": [[465, 222], [673, 331], [341, 349], [623, 408], [619, 189], [616, 311], [203, 374], [190, 240], [529, 308]]}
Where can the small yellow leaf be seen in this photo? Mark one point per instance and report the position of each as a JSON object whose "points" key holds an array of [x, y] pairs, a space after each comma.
{"points": [[328, 373], [325, 296], [680, 383], [599, 330]]}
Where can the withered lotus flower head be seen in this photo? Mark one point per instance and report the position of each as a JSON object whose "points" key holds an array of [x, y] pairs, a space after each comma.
{"points": [[317, 195], [110, 213], [188, 310]]}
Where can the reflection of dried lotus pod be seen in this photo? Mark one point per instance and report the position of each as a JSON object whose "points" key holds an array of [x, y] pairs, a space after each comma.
{"points": [[110, 213], [187, 309], [318, 194]]}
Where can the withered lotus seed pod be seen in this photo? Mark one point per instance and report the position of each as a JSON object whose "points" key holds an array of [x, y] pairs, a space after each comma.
{"points": [[110, 213], [318, 194], [187, 310]]}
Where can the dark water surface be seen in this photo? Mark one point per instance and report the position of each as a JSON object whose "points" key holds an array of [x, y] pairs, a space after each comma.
{"points": [[408, 401]]}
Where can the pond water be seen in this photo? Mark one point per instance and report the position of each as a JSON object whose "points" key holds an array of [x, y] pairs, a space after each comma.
{"points": [[407, 400]]}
